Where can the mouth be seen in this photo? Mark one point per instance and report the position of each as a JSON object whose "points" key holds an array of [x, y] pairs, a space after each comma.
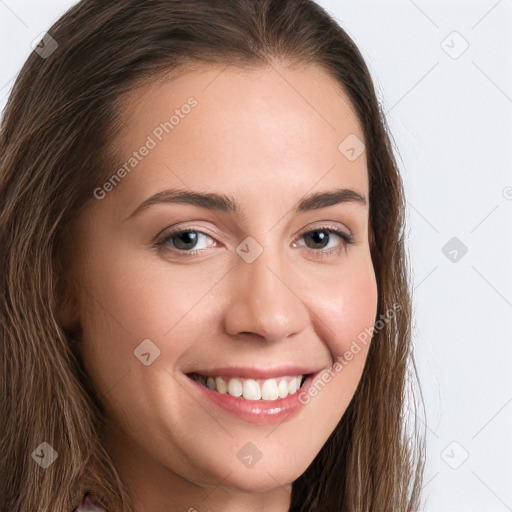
{"points": [[252, 389], [258, 395]]}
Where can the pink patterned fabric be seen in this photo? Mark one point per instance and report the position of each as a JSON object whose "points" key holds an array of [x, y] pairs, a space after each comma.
{"points": [[88, 505]]}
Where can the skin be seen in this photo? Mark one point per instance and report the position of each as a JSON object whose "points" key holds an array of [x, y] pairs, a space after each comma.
{"points": [[266, 136]]}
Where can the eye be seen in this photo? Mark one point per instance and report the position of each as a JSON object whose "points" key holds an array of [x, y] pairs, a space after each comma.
{"points": [[185, 242], [322, 236]]}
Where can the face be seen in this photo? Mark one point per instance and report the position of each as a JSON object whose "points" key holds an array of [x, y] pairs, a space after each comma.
{"points": [[257, 287]]}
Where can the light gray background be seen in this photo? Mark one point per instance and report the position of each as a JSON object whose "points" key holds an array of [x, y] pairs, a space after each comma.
{"points": [[450, 114]]}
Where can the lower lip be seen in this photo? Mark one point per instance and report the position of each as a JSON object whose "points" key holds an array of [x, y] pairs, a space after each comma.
{"points": [[259, 412]]}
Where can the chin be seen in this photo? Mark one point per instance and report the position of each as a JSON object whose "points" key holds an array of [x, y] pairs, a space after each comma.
{"points": [[275, 468]]}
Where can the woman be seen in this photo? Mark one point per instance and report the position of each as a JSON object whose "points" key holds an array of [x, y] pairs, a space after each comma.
{"points": [[266, 368]]}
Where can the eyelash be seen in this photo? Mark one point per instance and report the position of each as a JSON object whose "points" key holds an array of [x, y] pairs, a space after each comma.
{"points": [[321, 253]]}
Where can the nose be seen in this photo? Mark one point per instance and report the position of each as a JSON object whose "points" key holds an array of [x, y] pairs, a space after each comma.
{"points": [[265, 299]]}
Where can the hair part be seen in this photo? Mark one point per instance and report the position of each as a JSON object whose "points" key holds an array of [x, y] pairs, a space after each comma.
{"points": [[56, 142]]}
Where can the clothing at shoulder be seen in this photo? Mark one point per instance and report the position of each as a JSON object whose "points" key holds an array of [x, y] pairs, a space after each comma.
{"points": [[88, 505]]}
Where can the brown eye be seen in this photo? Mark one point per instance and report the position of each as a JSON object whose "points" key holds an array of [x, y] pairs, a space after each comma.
{"points": [[318, 239], [185, 241]]}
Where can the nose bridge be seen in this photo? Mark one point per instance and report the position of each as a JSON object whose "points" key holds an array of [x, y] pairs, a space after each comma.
{"points": [[265, 302]]}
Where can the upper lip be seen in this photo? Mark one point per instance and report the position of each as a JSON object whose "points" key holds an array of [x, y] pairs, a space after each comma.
{"points": [[261, 372]]}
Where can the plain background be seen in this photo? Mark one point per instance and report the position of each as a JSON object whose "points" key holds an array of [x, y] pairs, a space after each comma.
{"points": [[443, 73]]}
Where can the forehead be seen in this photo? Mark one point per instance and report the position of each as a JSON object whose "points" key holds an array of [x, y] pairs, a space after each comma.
{"points": [[278, 127]]}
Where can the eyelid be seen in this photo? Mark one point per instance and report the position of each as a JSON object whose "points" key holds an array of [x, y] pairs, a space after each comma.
{"points": [[179, 228], [345, 236], [327, 225]]}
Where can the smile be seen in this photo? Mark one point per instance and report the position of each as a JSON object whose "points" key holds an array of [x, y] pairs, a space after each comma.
{"points": [[252, 389], [260, 395]]}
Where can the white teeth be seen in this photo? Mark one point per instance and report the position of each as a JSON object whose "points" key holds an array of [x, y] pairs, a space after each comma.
{"points": [[269, 390], [252, 389], [235, 387], [221, 385], [282, 389]]}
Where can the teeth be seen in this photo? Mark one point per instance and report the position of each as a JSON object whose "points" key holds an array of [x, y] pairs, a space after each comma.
{"points": [[221, 386], [269, 390], [235, 387], [282, 389], [292, 386], [252, 389]]}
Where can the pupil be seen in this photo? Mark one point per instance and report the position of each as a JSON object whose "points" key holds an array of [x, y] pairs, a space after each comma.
{"points": [[319, 237], [190, 237]]}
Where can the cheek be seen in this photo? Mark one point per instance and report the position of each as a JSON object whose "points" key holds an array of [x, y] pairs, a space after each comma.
{"points": [[136, 299], [346, 304], [122, 305], [346, 313]]}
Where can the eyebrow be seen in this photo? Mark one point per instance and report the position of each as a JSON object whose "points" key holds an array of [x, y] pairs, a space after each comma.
{"points": [[227, 204]]}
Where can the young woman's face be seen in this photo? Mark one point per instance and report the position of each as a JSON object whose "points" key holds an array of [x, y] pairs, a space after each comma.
{"points": [[253, 298]]}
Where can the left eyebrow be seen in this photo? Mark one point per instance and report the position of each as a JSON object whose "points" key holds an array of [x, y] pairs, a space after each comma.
{"points": [[328, 198], [227, 204]]}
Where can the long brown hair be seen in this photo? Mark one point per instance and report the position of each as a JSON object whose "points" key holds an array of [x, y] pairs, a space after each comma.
{"points": [[56, 140]]}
